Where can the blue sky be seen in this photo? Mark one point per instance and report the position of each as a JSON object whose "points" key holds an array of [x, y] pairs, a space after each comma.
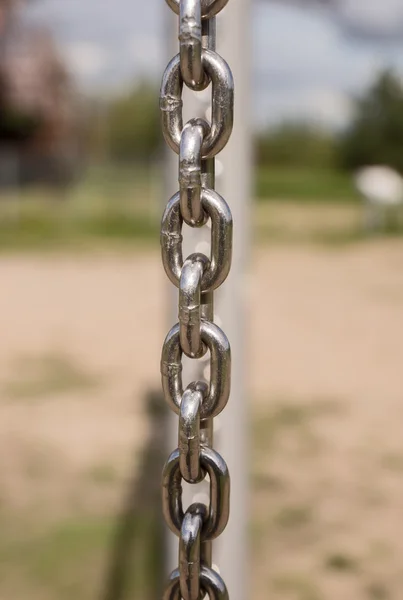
{"points": [[308, 61]]}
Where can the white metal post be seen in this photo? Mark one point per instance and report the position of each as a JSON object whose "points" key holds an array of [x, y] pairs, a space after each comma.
{"points": [[233, 182]]}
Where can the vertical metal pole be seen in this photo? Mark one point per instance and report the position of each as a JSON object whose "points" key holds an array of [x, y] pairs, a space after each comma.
{"points": [[233, 182]]}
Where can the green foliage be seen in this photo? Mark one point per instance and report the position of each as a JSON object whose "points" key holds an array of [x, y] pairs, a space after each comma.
{"points": [[43, 376], [294, 516], [308, 184], [376, 133], [377, 591], [296, 145], [109, 204], [133, 131], [71, 558], [16, 126], [341, 562]]}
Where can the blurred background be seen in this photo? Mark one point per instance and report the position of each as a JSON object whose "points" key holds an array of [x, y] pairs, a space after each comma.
{"points": [[84, 303]]}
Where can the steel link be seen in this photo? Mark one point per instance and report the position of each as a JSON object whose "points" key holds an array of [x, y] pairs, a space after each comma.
{"points": [[222, 105], [221, 240], [189, 312], [190, 172], [197, 143], [190, 38], [218, 512], [209, 8], [189, 435], [220, 369], [190, 551], [211, 584]]}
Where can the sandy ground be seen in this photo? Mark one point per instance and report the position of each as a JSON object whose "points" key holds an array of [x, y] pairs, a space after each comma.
{"points": [[79, 348]]}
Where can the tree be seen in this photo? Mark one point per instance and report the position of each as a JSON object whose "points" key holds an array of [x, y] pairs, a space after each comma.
{"points": [[133, 131], [296, 144], [375, 136]]}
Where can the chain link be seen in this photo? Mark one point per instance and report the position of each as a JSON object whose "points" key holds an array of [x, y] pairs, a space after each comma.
{"points": [[209, 8], [190, 172], [190, 38], [221, 240], [197, 143], [222, 103]]}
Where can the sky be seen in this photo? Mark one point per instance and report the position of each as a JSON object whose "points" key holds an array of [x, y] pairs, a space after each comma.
{"points": [[308, 61]]}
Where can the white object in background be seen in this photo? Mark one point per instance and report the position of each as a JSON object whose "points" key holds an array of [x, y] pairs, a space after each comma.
{"points": [[382, 188], [380, 185]]}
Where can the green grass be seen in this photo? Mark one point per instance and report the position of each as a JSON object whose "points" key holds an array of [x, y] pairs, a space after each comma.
{"points": [[115, 205], [296, 585], [377, 591], [108, 204], [317, 185], [294, 516], [57, 560], [102, 474], [71, 559], [333, 224], [341, 562], [41, 376], [290, 417]]}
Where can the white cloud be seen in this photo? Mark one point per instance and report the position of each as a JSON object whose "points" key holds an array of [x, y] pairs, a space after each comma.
{"points": [[378, 16], [361, 18], [298, 48], [304, 68]]}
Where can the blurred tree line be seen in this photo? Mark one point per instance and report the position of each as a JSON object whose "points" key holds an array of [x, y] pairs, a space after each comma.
{"points": [[294, 144], [127, 129], [374, 136], [15, 125], [39, 136], [133, 125]]}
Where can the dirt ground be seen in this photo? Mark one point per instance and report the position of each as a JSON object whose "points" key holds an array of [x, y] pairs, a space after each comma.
{"points": [[79, 350]]}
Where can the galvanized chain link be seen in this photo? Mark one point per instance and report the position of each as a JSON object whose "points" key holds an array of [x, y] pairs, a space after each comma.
{"points": [[197, 143]]}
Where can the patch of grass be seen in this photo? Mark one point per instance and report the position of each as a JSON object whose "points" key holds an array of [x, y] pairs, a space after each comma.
{"points": [[61, 559], [305, 184], [326, 237], [288, 427], [377, 591], [331, 223], [288, 415], [102, 474], [267, 482], [299, 585], [258, 534], [341, 562], [71, 559], [291, 517], [114, 204], [393, 462], [109, 203], [52, 226], [269, 425], [46, 375]]}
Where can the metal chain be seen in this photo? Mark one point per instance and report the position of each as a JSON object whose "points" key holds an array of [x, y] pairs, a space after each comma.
{"points": [[197, 143]]}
